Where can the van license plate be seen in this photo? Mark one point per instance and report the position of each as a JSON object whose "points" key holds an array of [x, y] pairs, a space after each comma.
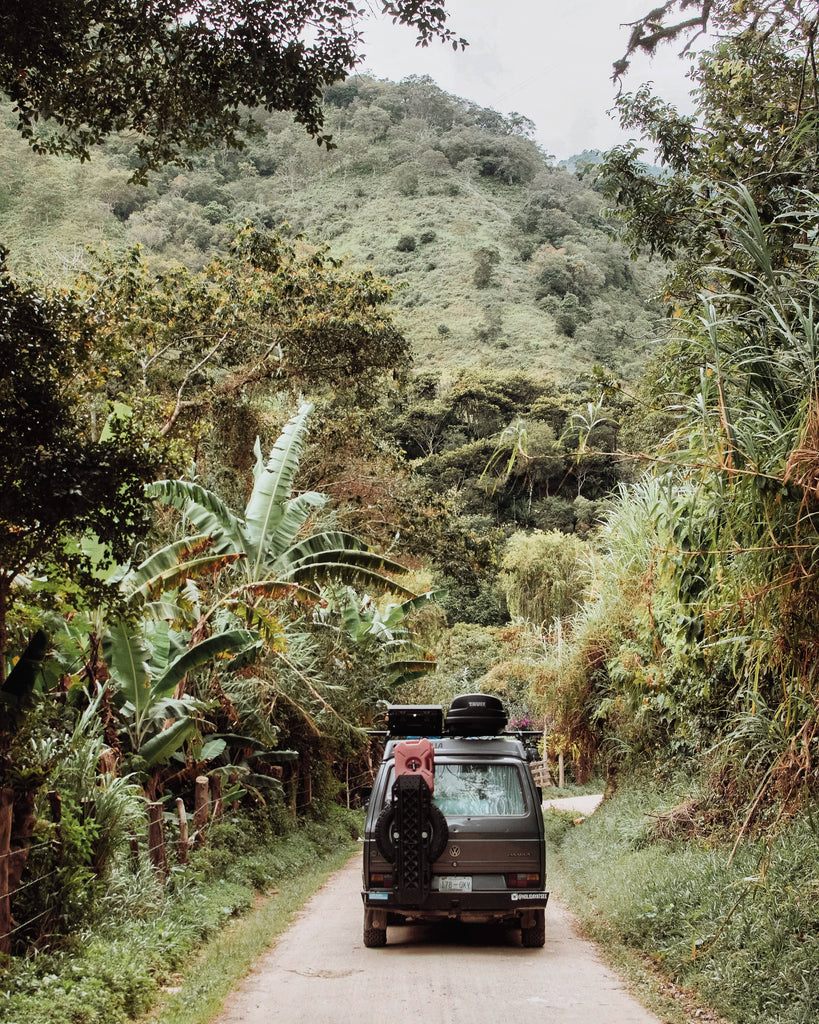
{"points": [[455, 883]]}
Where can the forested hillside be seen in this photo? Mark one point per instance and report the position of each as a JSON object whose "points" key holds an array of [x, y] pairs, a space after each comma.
{"points": [[502, 259]]}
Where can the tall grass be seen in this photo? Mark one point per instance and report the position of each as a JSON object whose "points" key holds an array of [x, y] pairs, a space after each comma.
{"points": [[742, 933]]}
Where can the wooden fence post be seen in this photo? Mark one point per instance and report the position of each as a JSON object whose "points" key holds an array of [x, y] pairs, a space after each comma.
{"points": [[6, 812], [201, 809], [560, 775], [22, 827], [233, 778], [184, 842], [156, 839]]}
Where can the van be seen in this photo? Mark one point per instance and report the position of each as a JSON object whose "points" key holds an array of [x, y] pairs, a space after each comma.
{"points": [[454, 826]]}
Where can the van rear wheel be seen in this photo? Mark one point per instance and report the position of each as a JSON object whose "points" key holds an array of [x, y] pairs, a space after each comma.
{"points": [[374, 938], [534, 937]]}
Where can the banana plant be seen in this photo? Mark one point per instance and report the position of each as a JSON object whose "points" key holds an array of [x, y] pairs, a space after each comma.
{"points": [[269, 557], [146, 662]]}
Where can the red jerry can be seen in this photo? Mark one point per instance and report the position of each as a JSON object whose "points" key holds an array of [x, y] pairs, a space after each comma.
{"points": [[416, 757]]}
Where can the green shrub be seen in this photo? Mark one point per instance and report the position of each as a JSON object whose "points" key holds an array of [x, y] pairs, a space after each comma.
{"points": [[406, 243], [741, 934], [111, 975]]}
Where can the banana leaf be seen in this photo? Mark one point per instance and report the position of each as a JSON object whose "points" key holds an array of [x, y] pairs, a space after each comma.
{"points": [[231, 642], [163, 610], [331, 540], [158, 749], [273, 486], [208, 513], [360, 572], [175, 575], [128, 656], [294, 515], [167, 558]]}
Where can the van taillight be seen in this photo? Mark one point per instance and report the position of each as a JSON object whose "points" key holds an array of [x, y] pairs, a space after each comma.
{"points": [[523, 880], [381, 880]]}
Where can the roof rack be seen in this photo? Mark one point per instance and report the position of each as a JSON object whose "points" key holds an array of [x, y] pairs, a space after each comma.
{"points": [[469, 714]]}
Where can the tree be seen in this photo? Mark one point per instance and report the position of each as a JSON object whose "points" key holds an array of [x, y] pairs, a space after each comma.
{"points": [[61, 476], [182, 74], [271, 310], [689, 19], [755, 122]]}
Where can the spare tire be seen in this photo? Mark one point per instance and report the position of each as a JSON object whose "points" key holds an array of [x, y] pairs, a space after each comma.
{"points": [[435, 827]]}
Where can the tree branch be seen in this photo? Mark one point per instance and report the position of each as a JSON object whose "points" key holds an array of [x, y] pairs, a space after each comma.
{"points": [[168, 425]]}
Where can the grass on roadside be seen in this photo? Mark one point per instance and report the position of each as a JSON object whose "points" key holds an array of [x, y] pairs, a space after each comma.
{"points": [[146, 938], [744, 936]]}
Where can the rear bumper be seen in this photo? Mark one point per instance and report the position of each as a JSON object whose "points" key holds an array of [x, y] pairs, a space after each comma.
{"points": [[447, 904]]}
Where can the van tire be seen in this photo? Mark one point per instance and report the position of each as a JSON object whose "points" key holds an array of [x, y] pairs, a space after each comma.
{"points": [[535, 937], [374, 938], [436, 828]]}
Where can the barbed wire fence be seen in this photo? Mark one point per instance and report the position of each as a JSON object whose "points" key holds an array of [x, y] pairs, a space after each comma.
{"points": [[189, 828], [150, 842]]}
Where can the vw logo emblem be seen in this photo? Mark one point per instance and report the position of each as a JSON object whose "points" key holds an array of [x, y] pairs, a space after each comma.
{"points": [[454, 851]]}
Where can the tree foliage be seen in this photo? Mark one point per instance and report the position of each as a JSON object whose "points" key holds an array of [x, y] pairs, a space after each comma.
{"points": [[181, 75], [68, 477], [687, 20], [271, 315], [764, 138]]}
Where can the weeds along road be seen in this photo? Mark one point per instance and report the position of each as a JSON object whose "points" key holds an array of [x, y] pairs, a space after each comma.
{"points": [[319, 970]]}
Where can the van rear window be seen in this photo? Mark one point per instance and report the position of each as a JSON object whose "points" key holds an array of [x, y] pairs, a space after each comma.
{"points": [[474, 788], [470, 788]]}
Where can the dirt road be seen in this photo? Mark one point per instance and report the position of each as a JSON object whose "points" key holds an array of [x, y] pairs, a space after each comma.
{"points": [[319, 971]]}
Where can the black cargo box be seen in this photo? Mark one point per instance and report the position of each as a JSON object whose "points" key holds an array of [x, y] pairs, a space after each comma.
{"points": [[475, 714], [415, 720]]}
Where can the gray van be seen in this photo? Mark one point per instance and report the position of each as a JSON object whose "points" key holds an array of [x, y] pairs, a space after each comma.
{"points": [[454, 825]]}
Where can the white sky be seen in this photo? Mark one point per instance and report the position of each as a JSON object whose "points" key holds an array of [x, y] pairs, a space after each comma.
{"points": [[549, 60]]}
